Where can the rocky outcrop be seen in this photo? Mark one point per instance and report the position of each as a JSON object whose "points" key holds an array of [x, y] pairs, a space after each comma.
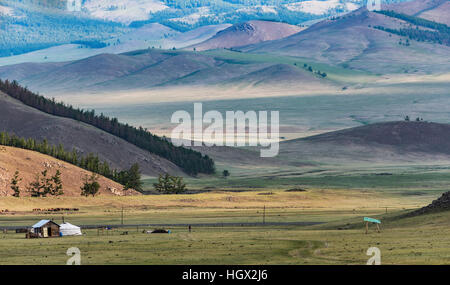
{"points": [[438, 205]]}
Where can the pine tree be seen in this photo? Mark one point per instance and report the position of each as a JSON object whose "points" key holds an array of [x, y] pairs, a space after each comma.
{"points": [[170, 184], [35, 187], [90, 186], [57, 188], [133, 179], [15, 184], [46, 183]]}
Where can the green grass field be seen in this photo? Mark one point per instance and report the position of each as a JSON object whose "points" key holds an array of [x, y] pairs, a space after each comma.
{"points": [[334, 73], [339, 240], [337, 196], [419, 240], [303, 115]]}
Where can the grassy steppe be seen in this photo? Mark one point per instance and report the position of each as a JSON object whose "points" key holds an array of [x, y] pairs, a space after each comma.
{"points": [[421, 240], [341, 240], [334, 73]]}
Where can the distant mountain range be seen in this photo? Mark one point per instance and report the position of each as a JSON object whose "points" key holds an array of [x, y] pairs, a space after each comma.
{"points": [[115, 48], [39, 24], [374, 41], [383, 42], [153, 68], [149, 35], [191, 13]]}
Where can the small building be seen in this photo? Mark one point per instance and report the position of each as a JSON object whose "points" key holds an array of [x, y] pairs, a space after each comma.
{"points": [[45, 229]]}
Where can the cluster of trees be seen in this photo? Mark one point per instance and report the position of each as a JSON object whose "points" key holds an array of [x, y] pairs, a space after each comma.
{"points": [[225, 11], [130, 179], [91, 44], [435, 32], [406, 43], [42, 186], [419, 35], [418, 119], [184, 4], [57, 4], [318, 72], [416, 21], [192, 162], [90, 186], [168, 184]]}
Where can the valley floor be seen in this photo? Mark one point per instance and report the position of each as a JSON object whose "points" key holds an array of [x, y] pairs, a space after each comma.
{"points": [[340, 240], [422, 243]]}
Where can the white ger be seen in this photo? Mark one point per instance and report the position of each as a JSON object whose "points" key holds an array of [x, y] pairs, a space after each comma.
{"points": [[67, 229]]}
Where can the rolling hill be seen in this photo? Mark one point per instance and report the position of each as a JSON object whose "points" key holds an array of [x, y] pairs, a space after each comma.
{"points": [[194, 36], [433, 10], [30, 163], [380, 142], [40, 24], [362, 40], [150, 35], [247, 33], [275, 75], [24, 121], [438, 14], [365, 147], [150, 68]]}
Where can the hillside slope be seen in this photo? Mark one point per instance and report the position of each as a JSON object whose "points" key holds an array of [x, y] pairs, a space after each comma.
{"points": [[439, 14], [247, 33], [407, 136], [28, 122], [383, 142], [150, 35], [140, 70], [355, 41], [277, 74], [30, 163], [433, 10]]}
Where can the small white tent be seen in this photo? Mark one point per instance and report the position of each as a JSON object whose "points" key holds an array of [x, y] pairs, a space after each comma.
{"points": [[68, 229]]}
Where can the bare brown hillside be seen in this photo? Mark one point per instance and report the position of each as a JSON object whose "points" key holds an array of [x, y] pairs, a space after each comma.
{"points": [[247, 33], [30, 163], [438, 14], [354, 41], [434, 10], [24, 121]]}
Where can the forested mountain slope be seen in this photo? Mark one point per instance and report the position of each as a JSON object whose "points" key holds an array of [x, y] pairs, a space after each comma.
{"points": [[24, 121]]}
